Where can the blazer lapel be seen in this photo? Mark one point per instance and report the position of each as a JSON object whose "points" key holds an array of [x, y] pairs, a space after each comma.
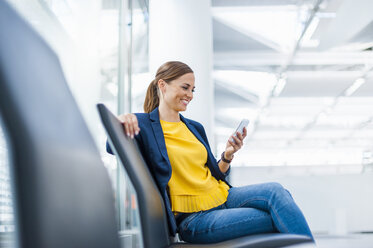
{"points": [[193, 130], [158, 133]]}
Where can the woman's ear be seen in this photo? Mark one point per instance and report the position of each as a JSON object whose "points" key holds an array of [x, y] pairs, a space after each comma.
{"points": [[162, 85]]}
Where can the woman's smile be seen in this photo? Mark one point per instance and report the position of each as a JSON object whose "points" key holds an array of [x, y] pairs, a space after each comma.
{"points": [[185, 102]]}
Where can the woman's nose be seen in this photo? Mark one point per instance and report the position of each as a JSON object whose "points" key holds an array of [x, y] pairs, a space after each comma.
{"points": [[190, 94]]}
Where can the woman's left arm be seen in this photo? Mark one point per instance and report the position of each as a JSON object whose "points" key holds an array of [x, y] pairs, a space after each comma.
{"points": [[230, 149]]}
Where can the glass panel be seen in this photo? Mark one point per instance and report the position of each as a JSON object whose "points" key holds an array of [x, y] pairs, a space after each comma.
{"points": [[7, 222], [136, 17], [140, 55]]}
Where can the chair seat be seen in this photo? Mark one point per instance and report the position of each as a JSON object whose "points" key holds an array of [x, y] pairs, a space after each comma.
{"points": [[261, 240]]}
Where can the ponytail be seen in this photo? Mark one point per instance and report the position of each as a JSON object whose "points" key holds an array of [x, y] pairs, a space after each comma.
{"points": [[167, 72], [152, 98]]}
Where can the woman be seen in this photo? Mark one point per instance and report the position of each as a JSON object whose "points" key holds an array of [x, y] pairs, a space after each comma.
{"points": [[201, 205]]}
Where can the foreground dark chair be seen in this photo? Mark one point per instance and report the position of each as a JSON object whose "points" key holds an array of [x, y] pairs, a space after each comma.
{"points": [[152, 211], [63, 195]]}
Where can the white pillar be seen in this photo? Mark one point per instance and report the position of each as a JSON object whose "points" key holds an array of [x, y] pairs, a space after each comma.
{"points": [[182, 30]]}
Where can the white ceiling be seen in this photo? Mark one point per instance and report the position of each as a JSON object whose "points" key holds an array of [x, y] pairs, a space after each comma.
{"points": [[319, 49]]}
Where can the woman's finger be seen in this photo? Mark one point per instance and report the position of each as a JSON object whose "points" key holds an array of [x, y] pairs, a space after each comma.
{"points": [[130, 124], [239, 135], [238, 142], [126, 127], [122, 119], [231, 143], [244, 132], [235, 143], [132, 127], [238, 138], [136, 124]]}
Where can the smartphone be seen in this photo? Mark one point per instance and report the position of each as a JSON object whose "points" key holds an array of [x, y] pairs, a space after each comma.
{"points": [[240, 127]]}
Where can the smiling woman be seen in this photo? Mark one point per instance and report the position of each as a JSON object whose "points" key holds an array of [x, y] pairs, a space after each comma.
{"points": [[201, 205], [177, 93], [178, 72]]}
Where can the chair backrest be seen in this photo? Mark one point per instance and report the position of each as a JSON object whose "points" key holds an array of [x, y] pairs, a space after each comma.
{"points": [[152, 211], [63, 194]]}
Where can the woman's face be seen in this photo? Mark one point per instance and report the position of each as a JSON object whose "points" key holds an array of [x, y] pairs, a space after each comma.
{"points": [[178, 93]]}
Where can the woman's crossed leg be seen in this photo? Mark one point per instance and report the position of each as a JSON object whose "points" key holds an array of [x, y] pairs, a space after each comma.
{"points": [[252, 209], [221, 224]]}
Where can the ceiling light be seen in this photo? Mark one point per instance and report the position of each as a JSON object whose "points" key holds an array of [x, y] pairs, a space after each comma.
{"points": [[276, 27], [307, 41], [326, 14], [359, 82], [279, 86]]}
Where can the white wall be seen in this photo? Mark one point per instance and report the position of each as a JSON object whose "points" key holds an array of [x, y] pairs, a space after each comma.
{"points": [[334, 204], [182, 30]]}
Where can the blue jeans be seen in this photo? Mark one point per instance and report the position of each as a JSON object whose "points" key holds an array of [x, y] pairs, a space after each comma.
{"points": [[252, 209]]}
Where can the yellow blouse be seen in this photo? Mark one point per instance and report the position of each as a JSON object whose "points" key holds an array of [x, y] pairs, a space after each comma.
{"points": [[192, 188]]}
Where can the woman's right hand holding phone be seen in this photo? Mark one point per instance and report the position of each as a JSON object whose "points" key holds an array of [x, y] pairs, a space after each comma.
{"points": [[130, 124], [234, 143]]}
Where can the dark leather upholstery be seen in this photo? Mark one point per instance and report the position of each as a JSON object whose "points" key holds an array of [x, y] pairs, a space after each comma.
{"points": [[269, 240], [63, 194], [151, 207]]}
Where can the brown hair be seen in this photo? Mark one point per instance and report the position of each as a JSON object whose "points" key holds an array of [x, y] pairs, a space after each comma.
{"points": [[168, 71]]}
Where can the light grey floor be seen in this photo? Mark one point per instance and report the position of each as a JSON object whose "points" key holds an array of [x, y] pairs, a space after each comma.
{"points": [[345, 241]]}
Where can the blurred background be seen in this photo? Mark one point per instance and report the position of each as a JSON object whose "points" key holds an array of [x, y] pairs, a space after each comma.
{"points": [[300, 70]]}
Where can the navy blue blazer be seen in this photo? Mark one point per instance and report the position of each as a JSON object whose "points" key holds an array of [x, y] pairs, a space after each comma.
{"points": [[153, 148]]}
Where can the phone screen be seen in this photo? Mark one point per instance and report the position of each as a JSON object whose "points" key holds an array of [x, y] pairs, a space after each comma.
{"points": [[240, 127]]}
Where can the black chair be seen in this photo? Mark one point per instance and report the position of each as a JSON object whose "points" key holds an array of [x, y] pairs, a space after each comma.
{"points": [[63, 195], [151, 207]]}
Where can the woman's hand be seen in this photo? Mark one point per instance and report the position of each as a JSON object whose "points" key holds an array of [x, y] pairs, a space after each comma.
{"points": [[233, 147], [130, 124]]}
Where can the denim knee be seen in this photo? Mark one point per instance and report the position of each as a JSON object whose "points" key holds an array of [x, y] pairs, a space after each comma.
{"points": [[278, 190], [275, 187]]}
